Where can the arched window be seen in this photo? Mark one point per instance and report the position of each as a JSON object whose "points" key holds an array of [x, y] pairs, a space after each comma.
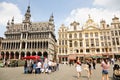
{"points": [[70, 35], [81, 50], [75, 35], [80, 35], [75, 44], [25, 27]]}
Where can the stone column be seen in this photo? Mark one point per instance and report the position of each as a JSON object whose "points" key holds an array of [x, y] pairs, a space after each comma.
{"points": [[19, 55], [6, 45], [26, 45], [9, 55], [14, 56]]}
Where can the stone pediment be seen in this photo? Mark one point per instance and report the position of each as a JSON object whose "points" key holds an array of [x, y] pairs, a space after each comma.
{"points": [[91, 28]]}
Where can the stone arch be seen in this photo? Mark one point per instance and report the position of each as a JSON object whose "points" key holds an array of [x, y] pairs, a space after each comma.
{"points": [[22, 54], [2, 55], [39, 53], [12, 55], [28, 53], [16, 55], [81, 50], [33, 53], [76, 51], [7, 55], [45, 54]]}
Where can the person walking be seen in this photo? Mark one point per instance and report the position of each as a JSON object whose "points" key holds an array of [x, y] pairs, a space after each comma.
{"points": [[78, 68], [25, 67], [105, 66], [89, 68], [94, 64]]}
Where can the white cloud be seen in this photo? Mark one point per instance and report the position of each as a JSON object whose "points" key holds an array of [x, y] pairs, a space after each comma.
{"points": [[7, 11], [111, 4], [81, 15]]}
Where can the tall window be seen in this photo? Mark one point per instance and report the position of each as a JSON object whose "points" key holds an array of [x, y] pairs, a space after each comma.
{"points": [[91, 34], [98, 50], [87, 50], [109, 43], [113, 40], [62, 35], [70, 35], [86, 34], [119, 26], [112, 33], [116, 34], [117, 41], [101, 37], [75, 44], [24, 35], [108, 33], [25, 27], [66, 50], [62, 42], [59, 35], [87, 43], [59, 42], [96, 34], [62, 50], [75, 35], [81, 43], [65, 42], [59, 50], [108, 37], [80, 35], [92, 42], [97, 42], [70, 43]]}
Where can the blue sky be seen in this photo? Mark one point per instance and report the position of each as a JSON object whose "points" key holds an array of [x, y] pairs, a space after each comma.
{"points": [[64, 11]]}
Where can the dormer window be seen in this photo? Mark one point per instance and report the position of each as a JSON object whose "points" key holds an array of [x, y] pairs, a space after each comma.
{"points": [[74, 27]]}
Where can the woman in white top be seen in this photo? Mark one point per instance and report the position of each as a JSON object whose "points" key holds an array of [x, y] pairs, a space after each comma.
{"points": [[78, 68]]}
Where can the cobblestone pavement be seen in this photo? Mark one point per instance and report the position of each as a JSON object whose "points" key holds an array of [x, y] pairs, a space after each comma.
{"points": [[65, 72]]}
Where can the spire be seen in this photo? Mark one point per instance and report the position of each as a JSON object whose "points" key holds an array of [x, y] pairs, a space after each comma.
{"points": [[12, 22], [27, 15], [28, 10], [89, 21], [51, 19]]}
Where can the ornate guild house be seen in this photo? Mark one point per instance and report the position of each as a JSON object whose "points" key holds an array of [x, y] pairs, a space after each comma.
{"points": [[29, 38], [89, 40]]}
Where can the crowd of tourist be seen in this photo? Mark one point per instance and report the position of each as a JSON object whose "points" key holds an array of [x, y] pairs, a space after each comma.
{"points": [[40, 66], [47, 66], [90, 64]]}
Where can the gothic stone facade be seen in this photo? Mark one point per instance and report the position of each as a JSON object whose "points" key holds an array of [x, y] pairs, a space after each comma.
{"points": [[29, 38], [88, 40]]}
